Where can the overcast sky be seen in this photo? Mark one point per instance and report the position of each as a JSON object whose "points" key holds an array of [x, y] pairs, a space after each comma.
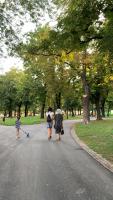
{"points": [[7, 62]]}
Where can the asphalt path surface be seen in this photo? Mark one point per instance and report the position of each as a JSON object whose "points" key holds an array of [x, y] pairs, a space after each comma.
{"points": [[37, 169]]}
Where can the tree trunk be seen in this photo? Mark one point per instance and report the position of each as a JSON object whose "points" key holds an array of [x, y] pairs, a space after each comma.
{"points": [[103, 107], [67, 113], [26, 110], [58, 100], [72, 112], [10, 108], [78, 111], [108, 110], [43, 106], [19, 110], [99, 117], [10, 113], [86, 113], [98, 108], [34, 112], [42, 111], [5, 113]]}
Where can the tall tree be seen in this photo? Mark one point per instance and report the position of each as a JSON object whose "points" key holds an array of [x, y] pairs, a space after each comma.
{"points": [[8, 93]]}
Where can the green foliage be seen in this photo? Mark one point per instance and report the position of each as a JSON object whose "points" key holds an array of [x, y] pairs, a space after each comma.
{"points": [[17, 89], [109, 100], [100, 74], [56, 58], [105, 45], [7, 93], [77, 22]]}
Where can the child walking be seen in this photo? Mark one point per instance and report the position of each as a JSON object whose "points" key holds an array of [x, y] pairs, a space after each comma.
{"points": [[50, 116], [17, 126]]}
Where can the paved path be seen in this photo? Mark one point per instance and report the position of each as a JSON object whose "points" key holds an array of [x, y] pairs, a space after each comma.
{"points": [[36, 169]]}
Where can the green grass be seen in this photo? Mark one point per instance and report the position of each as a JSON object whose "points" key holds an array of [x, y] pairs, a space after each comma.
{"points": [[98, 135], [24, 121], [29, 120]]}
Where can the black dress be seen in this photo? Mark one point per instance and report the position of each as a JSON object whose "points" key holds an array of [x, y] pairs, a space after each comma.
{"points": [[58, 123]]}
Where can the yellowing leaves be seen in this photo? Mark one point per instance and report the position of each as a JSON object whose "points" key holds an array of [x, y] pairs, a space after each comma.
{"points": [[108, 78], [71, 56], [111, 78], [63, 56]]}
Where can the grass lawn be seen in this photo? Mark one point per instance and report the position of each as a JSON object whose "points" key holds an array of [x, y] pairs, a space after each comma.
{"points": [[24, 120], [29, 120], [98, 135], [72, 118]]}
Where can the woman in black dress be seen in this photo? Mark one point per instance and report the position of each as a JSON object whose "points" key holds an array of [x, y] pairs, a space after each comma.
{"points": [[58, 123]]}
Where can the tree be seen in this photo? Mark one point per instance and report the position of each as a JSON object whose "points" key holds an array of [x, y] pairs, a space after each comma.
{"points": [[106, 29], [36, 85], [22, 11], [79, 25], [20, 77], [51, 70], [16, 91], [8, 93]]}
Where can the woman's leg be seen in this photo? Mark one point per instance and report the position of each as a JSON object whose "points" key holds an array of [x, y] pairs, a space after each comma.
{"points": [[17, 133], [49, 133], [58, 137]]}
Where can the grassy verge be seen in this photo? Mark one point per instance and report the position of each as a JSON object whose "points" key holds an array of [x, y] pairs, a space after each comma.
{"points": [[24, 121], [98, 135], [30, 120], [72, 118]]}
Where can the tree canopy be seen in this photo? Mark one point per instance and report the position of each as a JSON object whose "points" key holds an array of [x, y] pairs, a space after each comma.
{"points": [[74, 56]]}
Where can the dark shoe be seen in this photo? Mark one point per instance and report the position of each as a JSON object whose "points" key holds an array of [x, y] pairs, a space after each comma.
{"points": [[28, 135]]}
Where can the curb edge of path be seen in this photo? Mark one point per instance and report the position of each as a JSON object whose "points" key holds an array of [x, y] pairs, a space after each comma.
{"points": [[92, 153]]}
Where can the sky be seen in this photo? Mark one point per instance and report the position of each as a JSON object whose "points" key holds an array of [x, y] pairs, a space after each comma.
{"points": [[7, 62]]}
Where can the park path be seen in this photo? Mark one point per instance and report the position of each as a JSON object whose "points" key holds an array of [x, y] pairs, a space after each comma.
{"points": [[36, 169]]}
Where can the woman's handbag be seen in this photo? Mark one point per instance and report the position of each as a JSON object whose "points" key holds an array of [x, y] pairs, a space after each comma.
{"points": [[62, 131]]}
